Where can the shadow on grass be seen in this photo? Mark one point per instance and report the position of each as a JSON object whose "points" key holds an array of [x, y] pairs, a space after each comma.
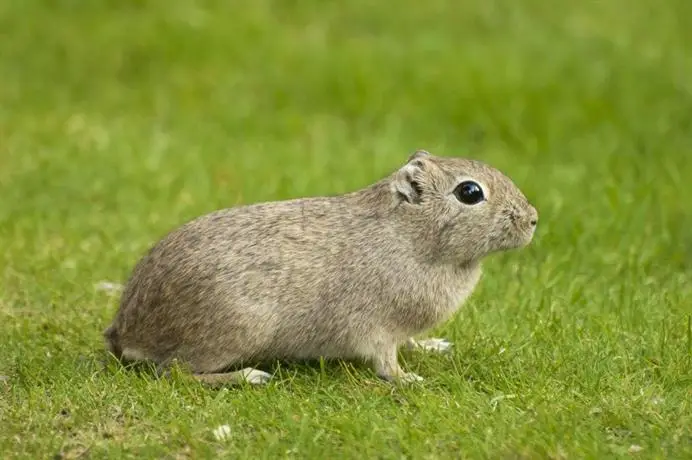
{"points": [[282, 370]]}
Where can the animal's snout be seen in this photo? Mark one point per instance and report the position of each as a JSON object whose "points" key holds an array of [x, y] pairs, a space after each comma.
{"points": [[532, 216], [528, 215]]}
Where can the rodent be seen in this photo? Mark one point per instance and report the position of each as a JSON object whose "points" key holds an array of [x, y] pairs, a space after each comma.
{"points": [[350, 277]]}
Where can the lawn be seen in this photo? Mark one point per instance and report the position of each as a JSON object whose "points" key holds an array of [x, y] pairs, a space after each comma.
{"points": [[120, 120]]}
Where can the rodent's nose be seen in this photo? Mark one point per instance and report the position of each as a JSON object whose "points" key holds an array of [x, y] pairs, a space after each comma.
{"points": [[533, 216]]}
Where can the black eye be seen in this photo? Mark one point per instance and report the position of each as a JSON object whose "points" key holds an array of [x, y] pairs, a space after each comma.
{"points": [[469, 192]]}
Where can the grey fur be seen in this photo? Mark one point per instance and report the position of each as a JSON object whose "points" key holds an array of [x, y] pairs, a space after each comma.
{"points": [[353, 276]]}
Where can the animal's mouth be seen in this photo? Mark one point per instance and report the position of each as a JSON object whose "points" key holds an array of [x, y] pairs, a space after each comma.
{"points": [[520, 237], [529, 237], [523, 228]]}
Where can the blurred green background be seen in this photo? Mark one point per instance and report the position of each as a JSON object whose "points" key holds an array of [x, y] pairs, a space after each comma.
{"points": [[122, 119]]}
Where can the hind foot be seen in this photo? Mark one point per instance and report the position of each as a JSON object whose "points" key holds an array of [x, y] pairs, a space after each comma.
{"points": [[247, 375], [433, 344], [410, 377]]}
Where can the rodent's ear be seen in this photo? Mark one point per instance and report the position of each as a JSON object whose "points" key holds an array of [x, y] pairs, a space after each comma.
{"points": [[406, 184], [418, 154]]}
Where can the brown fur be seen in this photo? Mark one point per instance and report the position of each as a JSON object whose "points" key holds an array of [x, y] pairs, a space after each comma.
{"points": [[351, 276]]}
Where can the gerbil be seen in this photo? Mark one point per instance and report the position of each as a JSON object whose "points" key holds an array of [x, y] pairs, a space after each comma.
{"points": [[353, 276]]}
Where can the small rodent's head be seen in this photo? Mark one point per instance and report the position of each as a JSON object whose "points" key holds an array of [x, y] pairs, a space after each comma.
{"points": [[467, 208]]}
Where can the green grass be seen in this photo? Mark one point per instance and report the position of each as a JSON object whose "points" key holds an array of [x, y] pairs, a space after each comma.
{"points": [[122, 119]]}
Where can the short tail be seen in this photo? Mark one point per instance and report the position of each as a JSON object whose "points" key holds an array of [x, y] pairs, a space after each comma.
{"points": [[112, 339]]}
